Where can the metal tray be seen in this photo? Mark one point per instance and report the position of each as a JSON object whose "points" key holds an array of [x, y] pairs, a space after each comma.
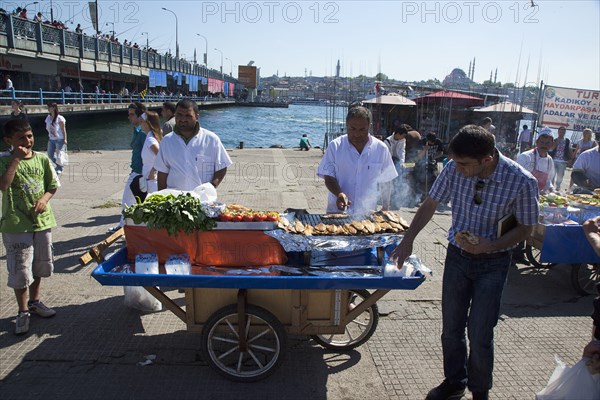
{"points": [[246, 226], [109, 273]]}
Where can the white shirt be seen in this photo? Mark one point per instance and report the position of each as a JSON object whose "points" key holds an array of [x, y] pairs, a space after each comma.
{"points": [[589, 163], [357, 174], [148, 156], [529, 161], [192, 164], [525, 136], [397, 148], [55, 132]]}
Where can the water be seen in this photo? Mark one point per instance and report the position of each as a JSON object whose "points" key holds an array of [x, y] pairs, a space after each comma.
{"points": [[255, 126]]}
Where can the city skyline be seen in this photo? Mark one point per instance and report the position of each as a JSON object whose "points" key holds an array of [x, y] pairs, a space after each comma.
{"points": [[556, 41]]}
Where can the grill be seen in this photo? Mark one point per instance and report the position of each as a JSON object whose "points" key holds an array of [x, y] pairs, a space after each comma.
{"points": [[315, 219]]}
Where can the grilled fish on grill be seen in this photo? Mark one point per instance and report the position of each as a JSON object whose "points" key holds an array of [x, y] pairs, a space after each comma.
{"points": [[299, 226], [369, 226], [334, 216], [391, 216], [358, 225], [308, 230], [350, 229]]}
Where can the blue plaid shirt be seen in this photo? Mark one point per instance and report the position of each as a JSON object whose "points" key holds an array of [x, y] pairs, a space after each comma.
{"points": [[509, 190]]}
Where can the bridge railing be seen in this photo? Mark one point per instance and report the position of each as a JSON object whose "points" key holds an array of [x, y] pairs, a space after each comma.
{"points": [[24, 34], [42, 97]]}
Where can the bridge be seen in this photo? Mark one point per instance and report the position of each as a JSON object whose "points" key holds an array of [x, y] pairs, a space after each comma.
{"points": [[47, 53]]}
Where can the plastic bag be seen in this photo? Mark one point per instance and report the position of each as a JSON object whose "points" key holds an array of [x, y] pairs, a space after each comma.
{"points": [[62, 157], [137, 297], [568, 383], [207, 192]]}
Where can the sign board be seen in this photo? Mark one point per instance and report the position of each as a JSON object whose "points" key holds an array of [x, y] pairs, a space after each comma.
{"points": [[575, 109], [247, 76]]}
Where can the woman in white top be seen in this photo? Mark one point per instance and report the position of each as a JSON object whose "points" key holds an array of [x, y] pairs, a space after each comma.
{"points": [[57, 134], [585, 143], [150, 125]]}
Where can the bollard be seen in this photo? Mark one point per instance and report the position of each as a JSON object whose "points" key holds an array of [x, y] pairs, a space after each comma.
{"points": [[241, 145]]}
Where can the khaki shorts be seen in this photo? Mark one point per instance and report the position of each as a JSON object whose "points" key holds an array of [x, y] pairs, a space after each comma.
{"points": [[28, 255]]}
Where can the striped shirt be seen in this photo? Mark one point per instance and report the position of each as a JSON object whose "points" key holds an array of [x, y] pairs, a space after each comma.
{"points": [[509, 190]]}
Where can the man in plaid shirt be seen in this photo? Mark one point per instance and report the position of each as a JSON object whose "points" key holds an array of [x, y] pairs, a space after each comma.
{"points": [[483, 186]]}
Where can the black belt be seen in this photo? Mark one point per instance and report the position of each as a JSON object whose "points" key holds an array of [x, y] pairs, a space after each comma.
{"points": [[482, 256]]}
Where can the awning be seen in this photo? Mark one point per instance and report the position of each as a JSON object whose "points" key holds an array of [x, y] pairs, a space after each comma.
{"points": [[459, 99], [392, 99], [506, 107]]}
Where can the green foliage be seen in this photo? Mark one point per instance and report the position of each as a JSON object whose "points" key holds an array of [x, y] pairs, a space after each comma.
{"points": [[173, 213]]}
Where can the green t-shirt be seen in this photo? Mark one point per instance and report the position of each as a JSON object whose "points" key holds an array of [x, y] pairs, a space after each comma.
{"points": [[33, 178]]}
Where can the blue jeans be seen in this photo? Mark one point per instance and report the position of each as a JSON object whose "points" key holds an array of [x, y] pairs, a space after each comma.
{"points": [[54, 146], [559, 172], [471, 297]]}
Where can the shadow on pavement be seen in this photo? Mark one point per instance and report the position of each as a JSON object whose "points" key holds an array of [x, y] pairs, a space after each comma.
{"points": [[543, 292], [92, 351]]}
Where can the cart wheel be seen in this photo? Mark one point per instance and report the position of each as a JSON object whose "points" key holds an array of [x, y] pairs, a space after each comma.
{"points": [[584, 278], [266, 341], [533, 256], [358, 331]]}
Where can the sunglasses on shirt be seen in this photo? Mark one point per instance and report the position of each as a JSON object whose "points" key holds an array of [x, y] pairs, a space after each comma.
{"points": [[478, 188]]}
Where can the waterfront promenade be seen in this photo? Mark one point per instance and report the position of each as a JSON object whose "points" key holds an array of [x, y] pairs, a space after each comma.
{"points": [[92, 347]]}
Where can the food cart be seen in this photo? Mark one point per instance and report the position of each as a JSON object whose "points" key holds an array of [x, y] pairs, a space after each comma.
{"points": [[553, 242], [245, 310]]}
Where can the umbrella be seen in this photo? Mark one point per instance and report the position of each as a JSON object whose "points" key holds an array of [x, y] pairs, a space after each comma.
{"points": [[392, 99], [506, 107]]}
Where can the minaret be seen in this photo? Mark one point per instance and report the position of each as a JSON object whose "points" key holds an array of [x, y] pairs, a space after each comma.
{"points": [[496, 75], [491, 72], [469, 74], [473, 71]]}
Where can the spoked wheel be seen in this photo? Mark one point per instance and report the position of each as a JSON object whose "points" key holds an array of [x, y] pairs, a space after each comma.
{"points": [[358, 331], [266, 343], [584, 278], [533, 256]]}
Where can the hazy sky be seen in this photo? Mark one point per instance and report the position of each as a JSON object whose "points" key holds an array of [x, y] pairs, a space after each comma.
{"points": [[406, 40]]}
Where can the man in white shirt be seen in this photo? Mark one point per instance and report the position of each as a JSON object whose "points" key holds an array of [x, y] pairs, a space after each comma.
{"points": [[354, 164], [190, 155], [524, 139], [401, 192], [586, 170], [538, 162]]}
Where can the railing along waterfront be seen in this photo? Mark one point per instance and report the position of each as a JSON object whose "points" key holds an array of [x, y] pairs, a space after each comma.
{"points": [[20, 33], [41, 97]]}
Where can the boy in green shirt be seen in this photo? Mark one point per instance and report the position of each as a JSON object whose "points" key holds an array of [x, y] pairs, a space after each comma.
{"points": [[27, 182]]}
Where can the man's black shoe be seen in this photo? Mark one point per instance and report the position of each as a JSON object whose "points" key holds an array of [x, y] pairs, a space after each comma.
{"points": [[446, 391], [480, 395]]}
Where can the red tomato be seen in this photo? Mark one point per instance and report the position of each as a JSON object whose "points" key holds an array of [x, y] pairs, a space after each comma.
{"points": [[248, 218], [225, 217], [260, 217], [272, 216], [236, 218]]}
